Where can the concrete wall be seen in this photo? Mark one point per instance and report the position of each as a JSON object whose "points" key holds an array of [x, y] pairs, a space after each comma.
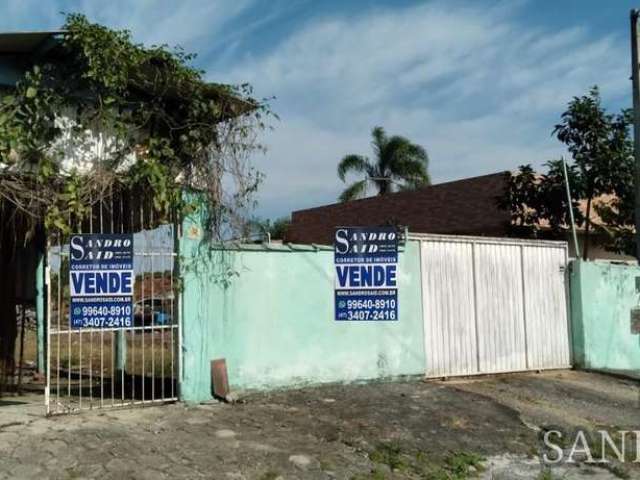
{"points": [[271, 315], [602, 296]]}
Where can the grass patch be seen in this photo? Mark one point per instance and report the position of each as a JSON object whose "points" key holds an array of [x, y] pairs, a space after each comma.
{"points": [[617, 470], [270, 475], [545, 475], [455, 466], [458, 422], [461, 464], [389, 454], [374, 474]]}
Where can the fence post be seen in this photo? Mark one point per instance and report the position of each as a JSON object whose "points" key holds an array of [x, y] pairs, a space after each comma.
{"points": [[40, 303], [120, 352]]}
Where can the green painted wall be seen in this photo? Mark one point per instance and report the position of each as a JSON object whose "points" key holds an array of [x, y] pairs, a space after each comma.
{"points": [[270, 314], [602, 296], [41, 299]]}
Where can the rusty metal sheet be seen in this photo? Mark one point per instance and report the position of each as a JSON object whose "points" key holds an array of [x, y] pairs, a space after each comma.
{"points": [[219, 378]]}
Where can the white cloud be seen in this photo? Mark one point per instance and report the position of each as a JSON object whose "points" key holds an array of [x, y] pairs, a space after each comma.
{"points": [[479, 87], [188, 23], [184, 22]]}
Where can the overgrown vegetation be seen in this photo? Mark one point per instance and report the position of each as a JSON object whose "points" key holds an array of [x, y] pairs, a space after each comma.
{"points": [[600, 175], [96, 115], [270, 475], [161, 128], [394, 459], [546, 474]]}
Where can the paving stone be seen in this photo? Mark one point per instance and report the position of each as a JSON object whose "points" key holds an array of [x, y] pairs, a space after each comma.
{"points": [[296, 434], [300, 461]]}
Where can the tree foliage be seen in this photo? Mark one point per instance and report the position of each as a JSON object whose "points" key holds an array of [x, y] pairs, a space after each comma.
{"points": [[276, 229], [167, 130], [398, 165], [98, 115], [602, 166]]}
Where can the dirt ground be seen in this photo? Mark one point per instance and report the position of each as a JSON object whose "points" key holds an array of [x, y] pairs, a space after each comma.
{"points": [[483, 428]]}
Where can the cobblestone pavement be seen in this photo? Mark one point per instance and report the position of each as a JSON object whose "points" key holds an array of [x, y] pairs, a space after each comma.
{"points": [[485, 428]]}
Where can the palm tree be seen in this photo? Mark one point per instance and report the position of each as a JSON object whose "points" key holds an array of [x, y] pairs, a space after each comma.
{"points": [[399, 164]]}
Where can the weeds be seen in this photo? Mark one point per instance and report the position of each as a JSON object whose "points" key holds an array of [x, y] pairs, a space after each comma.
{"points": [[389, 454], [270, 475], [545, 475], [617, 470], [375, 474], [462, 464], [456, 466]]}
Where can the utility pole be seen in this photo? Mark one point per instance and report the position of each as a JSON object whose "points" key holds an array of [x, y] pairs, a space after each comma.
{"points": [[576, 246], [635, 78]]}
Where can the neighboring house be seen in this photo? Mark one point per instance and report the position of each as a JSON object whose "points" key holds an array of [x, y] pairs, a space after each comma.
{"points": [[596, 250], [462, 207], [79, 150]]}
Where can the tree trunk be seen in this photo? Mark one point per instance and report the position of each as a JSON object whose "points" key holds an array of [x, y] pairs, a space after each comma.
{"points": [[383, 186], [587, 229]]}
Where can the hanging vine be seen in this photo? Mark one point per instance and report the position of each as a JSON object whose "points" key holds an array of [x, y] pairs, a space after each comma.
{"points": [[100, 111]]}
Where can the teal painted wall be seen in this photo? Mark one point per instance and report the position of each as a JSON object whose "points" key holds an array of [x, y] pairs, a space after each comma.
{"points": [[602, 296], [41, 299], [270, 314]]}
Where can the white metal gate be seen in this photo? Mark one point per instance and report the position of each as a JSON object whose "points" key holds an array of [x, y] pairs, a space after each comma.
{"points": [[493, 305], [112, 367]]}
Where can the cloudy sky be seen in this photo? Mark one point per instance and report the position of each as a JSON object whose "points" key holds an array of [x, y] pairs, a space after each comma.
{"points": [[480, 84]]}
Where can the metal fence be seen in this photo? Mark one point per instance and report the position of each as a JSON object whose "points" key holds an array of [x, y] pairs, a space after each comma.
{"points": [[493, 305], [90, 368]]}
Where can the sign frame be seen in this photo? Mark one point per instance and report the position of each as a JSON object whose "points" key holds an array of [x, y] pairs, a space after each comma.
{"points": [[101, 281], [365, 269]]}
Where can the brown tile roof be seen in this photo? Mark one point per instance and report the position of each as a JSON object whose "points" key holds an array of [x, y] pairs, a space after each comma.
{"points": [[464, 207]]}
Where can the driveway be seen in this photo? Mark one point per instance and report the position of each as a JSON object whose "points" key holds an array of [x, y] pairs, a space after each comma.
{"points": [[482, 428]]}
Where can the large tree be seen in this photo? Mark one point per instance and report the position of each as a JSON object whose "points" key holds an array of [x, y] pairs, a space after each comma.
{"points": [[398, 165], [602, 166]]}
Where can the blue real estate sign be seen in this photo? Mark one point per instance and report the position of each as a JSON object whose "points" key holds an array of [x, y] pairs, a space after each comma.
{"points": [[366, 273], [101, 281]]}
